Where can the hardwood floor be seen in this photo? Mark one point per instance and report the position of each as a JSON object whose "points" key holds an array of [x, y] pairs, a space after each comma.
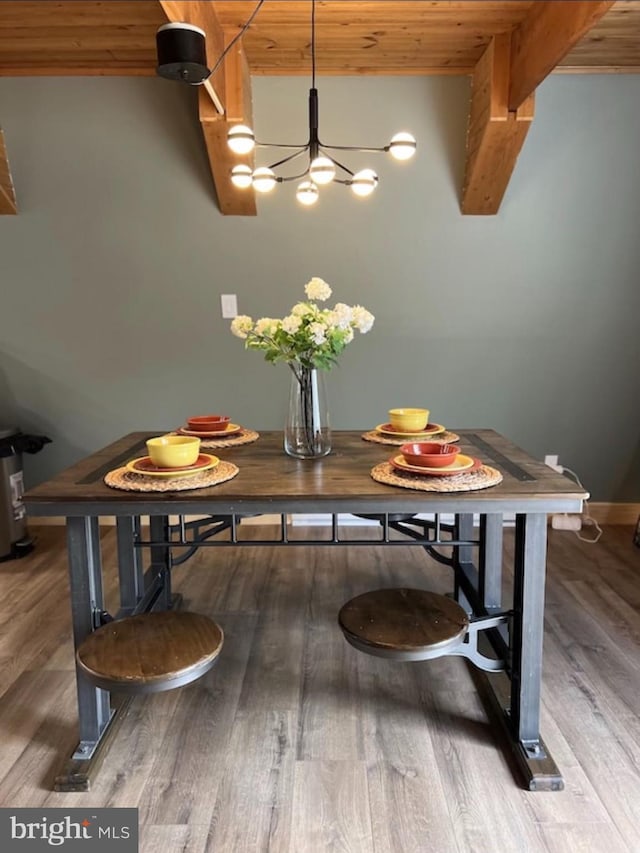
{"points": [[297, 743]]}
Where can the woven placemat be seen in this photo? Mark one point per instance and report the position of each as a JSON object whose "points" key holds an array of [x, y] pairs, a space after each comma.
{"points": [[129, 481], [465, 482], [445, 437], [245, 437]]}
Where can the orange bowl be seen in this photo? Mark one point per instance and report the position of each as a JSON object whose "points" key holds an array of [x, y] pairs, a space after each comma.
{"points": [[429, 454], [208, 423]]}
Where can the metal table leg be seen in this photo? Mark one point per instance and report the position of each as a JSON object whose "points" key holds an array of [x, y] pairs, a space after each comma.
{"points": [[463, 556], [130, 567], [161, 560], [85, 575], [515, 695], [96, 718], [521, 695], [528, 605], [490, 561]]}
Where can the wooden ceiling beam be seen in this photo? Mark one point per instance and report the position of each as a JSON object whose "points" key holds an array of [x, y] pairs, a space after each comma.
{"points": [[503, 86], [96, 37], [237, 98], [7, 193], [547, 34], [227, 102], [495, 134]]}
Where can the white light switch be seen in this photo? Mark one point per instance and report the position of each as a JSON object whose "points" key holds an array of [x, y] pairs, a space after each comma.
{"points": [[229, 303]]}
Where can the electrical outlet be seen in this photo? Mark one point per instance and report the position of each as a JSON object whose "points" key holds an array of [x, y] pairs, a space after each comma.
{"points": [[229, 305], [552, 461]]}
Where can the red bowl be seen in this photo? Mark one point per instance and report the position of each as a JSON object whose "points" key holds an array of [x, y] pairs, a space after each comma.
{"points": [[429, 454], [208, 423]]}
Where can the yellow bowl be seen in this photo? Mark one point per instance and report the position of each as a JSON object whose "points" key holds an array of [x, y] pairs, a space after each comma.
{"points": [[409, 420], [173, 451]]}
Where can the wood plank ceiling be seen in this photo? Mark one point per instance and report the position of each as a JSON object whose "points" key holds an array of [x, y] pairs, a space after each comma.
{"points": [[494, 42]]}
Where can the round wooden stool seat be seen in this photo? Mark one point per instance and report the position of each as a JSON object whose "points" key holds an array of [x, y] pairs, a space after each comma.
{"points": [[150, 652], [404, 624]]}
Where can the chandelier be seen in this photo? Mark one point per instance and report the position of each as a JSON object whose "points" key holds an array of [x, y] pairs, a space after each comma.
{"points": [[320, 166], [182, 57]]}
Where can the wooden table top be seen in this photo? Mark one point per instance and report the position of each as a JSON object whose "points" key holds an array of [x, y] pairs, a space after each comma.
{"points": [[269, 481]]}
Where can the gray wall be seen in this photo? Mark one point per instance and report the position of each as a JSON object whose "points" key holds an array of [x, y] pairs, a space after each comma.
{"points": [[526, 322]]}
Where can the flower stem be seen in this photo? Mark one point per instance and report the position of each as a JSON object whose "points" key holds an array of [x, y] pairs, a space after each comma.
{"points": [[309, 414]]}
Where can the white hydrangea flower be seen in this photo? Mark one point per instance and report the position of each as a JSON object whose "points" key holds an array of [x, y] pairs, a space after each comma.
{"points": [[362, 319], [311, 334], [343, 315], [330, 319], [241, 325], [291, 324], [266, 326], [318, 332], [317, 289]]}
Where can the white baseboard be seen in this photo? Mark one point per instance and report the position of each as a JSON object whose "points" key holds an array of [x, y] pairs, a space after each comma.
{"points": [[308, 520]]}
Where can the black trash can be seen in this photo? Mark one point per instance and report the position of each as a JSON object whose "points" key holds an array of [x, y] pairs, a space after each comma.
{"points": [[14, 538]]}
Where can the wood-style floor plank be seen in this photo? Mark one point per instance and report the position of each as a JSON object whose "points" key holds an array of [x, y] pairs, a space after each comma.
{"points": [[273, 676], [184, 838], [186, 770], [331, 804], [409, 802], [408, 809], [464, 743], [331, 729], [34, 722], [253, 809], [297, 743]]}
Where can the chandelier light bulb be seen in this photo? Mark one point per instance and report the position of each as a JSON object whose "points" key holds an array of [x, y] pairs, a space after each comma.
{"points": [[307, 193], [322, 170], [241, 176], [240, 139], [264, 179], [364, 182], [402, 146]]}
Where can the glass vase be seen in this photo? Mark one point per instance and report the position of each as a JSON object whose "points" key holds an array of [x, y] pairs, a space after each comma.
{"points": [[307, 434]]}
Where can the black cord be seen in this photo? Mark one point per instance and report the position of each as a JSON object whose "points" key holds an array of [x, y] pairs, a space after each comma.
{"points": [[313, 44], [235, 39]]}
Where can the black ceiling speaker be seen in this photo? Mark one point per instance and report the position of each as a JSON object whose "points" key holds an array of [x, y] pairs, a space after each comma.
{"points": [[182, 53]]}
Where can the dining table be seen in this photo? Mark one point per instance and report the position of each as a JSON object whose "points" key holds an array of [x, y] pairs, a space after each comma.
{"points": [[463, 529]]}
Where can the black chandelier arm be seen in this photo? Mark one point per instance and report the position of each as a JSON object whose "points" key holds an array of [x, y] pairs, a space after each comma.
{"points": [[355, 148], [286, 178], [287, 159], [337, 163], [302, 145]]}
